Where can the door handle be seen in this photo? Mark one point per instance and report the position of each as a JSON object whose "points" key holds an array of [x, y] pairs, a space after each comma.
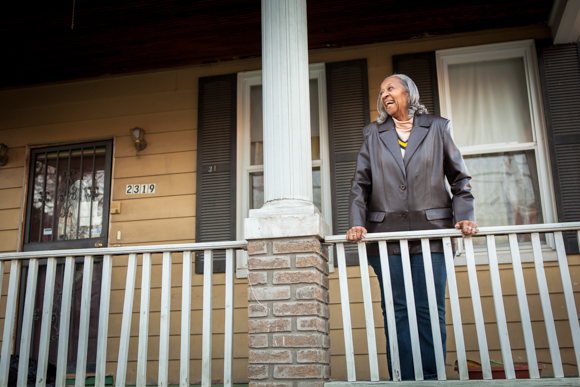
{"points": [[98, 244]]}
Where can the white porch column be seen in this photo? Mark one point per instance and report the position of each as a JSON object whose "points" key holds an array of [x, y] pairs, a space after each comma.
{"points": [[288, 210], [287, 158], [287, 265]]}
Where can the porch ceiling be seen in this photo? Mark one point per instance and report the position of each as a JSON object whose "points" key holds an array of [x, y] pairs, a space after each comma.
{"points": [[123, 36]]}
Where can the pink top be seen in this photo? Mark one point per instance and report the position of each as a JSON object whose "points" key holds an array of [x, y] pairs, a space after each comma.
{"points": [[403, 129]]}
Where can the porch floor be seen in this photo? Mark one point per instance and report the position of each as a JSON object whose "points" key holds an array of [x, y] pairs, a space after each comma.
{"points": [[575, 381]]}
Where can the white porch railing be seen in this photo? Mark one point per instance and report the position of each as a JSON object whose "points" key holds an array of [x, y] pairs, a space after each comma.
{"points": [[490, 233], [108, 254]]}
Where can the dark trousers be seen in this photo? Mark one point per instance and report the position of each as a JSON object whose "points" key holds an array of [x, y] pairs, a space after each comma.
{"points": [[422, 308]]}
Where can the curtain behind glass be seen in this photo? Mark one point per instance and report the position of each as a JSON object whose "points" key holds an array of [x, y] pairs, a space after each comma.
{"points": [[489, 102]]}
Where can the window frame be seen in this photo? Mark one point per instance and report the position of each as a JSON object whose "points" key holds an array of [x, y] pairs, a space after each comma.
{"points": [[524, 49], [76, 243], [245, 81]]}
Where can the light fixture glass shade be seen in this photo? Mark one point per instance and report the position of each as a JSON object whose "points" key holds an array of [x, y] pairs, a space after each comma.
{"points": [[3, 154], [138, 135]]}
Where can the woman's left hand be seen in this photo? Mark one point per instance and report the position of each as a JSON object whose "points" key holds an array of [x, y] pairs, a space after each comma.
{"points": [[467, 227]]}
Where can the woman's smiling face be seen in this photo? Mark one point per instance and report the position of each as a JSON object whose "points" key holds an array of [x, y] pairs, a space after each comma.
{"points": [[395, 98]]}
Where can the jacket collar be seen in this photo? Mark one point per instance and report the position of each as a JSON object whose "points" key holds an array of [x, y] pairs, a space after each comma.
{"points": [[423, 120], [388, 135]]}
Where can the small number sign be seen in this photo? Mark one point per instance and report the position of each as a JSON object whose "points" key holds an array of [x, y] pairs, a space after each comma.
{"points": [[140, 189]]}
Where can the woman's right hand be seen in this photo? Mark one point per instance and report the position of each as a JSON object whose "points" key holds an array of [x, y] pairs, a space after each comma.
{"points": [[356, 234]]}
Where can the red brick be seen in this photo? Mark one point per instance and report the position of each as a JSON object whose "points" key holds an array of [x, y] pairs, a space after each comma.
{"points": [[303, 371], [257, 372], [257, 278], [312, 324], [267, 326], [298, 341], [297, 246], [325, 341], [269, 293], [258, 247], [269, 356], [307, 308], [324, 281], [298, 277], [257, 310], [313, 356], [266, 263], [312, 293], [312, 260], [257, 341]]}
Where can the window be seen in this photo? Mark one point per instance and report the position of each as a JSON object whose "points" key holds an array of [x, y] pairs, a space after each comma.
{"points": [[250, 180], [68, 196], [491, 94]]}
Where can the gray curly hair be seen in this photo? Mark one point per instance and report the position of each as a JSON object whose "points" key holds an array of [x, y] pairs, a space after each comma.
{"points": [[413, 99]]}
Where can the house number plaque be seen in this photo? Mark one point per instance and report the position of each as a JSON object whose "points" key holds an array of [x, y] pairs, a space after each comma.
{"points": [[140, 189]]}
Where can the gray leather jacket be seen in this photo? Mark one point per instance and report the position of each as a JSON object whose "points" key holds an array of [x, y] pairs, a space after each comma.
{"points": [[391, 194]]}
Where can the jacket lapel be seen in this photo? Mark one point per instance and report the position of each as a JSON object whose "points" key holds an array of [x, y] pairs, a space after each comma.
{"points": [[388, 136], [420, 129]]}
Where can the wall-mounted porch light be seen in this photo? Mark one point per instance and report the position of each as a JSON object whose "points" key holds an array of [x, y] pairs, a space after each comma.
{"points": [[3, 155], [138, 135]]}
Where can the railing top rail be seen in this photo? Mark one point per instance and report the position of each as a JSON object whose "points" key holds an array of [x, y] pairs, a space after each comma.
{"points": [[451, 232], [125, 250]]}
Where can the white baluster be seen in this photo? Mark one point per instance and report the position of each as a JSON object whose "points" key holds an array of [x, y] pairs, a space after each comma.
{"points": [[455, 310], [27, 319], [524, 309], [568, 293], [477, 309], [103, 321], [207, 309], [504, 340], [185, 320], [44, 344], [126, 322], [229, 319], [144, 321], [390, 309], [345, 307], [163, 374], [368, 306], [9, 319], [64, 325], [411, 309], [84, 322], [433, 309], [547, 306]]}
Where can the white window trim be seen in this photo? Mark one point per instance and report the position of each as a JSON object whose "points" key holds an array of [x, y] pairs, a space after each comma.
{"points": [[524, 49], [245, 81]]}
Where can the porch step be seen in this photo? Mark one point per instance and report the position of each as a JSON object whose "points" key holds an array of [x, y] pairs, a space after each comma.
{"points": [[560, 382]]}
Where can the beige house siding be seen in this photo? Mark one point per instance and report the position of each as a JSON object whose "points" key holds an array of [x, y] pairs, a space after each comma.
{"points": [[164, 103]]}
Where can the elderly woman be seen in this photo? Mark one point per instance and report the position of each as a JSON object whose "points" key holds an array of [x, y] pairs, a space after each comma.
{"points": [[399, 185]]}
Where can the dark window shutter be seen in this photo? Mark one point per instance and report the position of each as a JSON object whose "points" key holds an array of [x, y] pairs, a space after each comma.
{"points": [[216, 165], [422, 69], [348, 113], [560, 74]]}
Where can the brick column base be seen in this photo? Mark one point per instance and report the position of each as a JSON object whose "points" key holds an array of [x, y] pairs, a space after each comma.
{"points": [[288, 313]]}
